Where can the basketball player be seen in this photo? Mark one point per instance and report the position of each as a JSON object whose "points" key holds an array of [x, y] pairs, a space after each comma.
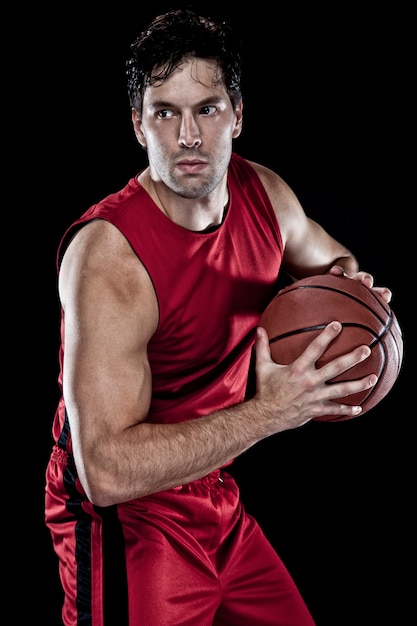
{"points": [[162, 286]]}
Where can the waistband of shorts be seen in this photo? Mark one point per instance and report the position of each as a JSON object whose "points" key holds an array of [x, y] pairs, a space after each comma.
{"points": [[65, 458], [209, 480], [61, 456], [213, 477]]}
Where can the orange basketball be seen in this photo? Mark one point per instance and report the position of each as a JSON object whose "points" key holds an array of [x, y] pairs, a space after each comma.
{"points": [[299, 312]]}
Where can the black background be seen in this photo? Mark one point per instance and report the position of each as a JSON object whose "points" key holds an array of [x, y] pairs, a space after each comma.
{"points": [[327, 104]]}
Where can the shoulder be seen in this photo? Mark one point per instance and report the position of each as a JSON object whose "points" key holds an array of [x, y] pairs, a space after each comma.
{"points": [[99, 255], [274, 184], [96, 242], [100, 271], [285, 202]]}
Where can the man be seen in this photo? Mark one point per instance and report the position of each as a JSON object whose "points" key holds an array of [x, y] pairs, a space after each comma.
{"points": [[162, 286]]}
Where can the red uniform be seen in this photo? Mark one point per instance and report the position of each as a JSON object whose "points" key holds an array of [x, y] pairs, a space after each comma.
{"points": [[190, 555]]}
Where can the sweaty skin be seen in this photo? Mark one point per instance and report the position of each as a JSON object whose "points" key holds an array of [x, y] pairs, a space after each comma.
{"points": [[187, 128]]}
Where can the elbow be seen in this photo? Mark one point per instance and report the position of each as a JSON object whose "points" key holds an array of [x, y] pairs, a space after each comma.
{"points": [[99, 487], [104, 488], [99, 497]]}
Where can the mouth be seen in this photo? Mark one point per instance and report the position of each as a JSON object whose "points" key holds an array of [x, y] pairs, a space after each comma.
{"points": [[191, 166]]}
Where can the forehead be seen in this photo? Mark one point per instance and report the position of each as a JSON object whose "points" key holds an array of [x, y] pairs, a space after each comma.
{"points": [[193, 78]]}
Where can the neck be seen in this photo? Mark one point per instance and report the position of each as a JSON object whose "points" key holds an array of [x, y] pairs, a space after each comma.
{"points": [[195, 214]]}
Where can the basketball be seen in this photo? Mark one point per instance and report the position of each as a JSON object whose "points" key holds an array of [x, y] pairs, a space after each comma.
{"points": [[300, 311]]}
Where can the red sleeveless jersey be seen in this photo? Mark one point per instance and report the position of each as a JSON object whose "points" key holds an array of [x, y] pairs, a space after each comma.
{"points": [[211, 289]]}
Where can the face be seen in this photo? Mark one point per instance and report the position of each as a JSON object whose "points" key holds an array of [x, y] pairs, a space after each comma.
{"points": [[187, 127]]}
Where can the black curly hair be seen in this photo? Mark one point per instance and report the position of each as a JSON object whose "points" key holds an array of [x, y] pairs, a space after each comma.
{"points": [[170, 39]]}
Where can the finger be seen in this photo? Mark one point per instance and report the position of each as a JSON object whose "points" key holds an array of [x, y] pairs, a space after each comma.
{"points": [[384, 292], [366, 278], [346, 388], [341, 364], [337, 270], [335, 410], [336, 391], [318, 346], [263, 350]]}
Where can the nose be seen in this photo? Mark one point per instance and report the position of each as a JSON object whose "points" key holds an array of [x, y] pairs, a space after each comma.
{"points": [[189, 135]]}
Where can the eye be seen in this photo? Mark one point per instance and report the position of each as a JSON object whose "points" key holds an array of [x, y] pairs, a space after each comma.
{"points": [[208, 109], [164, 114]]}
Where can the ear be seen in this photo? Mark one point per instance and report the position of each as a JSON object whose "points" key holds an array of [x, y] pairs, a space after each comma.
{"points": [[137, 127], [239, 119]]}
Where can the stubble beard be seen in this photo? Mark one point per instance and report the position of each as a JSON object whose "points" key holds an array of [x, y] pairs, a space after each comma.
{"points": [[195, 186]]}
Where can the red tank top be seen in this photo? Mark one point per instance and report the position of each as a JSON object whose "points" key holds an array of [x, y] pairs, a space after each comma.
{"points": [[211, 289]]}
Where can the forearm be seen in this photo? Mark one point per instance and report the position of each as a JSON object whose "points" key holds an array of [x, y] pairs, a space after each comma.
{"points": [[117, 464], [147, 457]]}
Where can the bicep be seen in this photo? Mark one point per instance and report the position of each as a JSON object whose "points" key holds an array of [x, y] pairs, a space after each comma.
{"points": [[110, 314], [308, 248]]}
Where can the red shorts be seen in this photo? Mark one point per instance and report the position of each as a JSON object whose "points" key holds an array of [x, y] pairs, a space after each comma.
{"points": [[189, 556]]}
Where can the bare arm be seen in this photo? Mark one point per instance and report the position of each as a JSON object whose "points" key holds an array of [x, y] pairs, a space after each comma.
{"points": [[309, 249], [110, 314]]}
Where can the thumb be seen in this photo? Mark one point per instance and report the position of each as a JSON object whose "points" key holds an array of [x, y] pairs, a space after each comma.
{"points": [[263, 350]]}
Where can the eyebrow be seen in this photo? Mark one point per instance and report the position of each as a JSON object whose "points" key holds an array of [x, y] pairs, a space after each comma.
{"points": [[165, 104]]}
